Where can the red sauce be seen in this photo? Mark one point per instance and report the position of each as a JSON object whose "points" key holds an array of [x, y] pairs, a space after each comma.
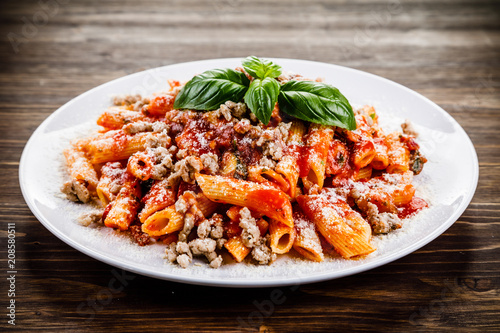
{"points": [[183, 187], [300, 153], [413, 207], [162, 104], [232, 229], [338, 157], [194, 139], [275, 204]]}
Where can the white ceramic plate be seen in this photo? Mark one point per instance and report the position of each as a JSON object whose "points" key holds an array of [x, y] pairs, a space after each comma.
{"points": [[448, 181]]}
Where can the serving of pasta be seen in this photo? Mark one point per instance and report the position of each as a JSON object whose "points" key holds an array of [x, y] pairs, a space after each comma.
{"points": [[224, 185]]}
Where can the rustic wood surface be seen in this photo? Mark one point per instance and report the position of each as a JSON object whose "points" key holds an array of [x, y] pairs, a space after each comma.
{"points": [[449, 51]]}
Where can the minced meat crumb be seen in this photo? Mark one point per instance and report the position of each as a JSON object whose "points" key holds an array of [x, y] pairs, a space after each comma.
{"points": [[273, 141], [76, 191], [204, 245], [267, 163], [408, 128], [87, 219], [140, 237], [238, 110], [242, 126], [186, 169], [262, 253], [382, 223], [210, 163], [251, 232]]}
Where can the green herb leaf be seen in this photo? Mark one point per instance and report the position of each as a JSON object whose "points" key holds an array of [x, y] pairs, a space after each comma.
{"points": [[261, 68], [212, 88], [316, 102], [261, 98]]}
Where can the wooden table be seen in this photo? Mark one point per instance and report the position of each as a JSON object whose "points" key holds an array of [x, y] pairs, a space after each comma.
{"points": [[449, 51]]}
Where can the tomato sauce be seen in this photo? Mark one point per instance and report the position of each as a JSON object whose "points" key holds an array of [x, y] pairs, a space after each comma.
{"points": [[414, 206]]}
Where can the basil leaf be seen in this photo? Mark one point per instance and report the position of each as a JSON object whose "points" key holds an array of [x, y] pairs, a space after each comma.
{"points": [[261, 98], [212, 88], [316, 102], [261, 68]]}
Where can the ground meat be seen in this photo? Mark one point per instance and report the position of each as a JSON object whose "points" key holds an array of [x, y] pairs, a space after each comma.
{"points": [[189, 222], [251, 232], [221, 242], [253, 117], [262, 253], [217, 228], [137, 101], [161, 140], [163, 160], [186, 204], [126, 99], [385, 222], [273, 140], [202, 246], [204, 229], [238, 110], [285, 77], [216, 262], [138, 126], [267, 163], [206, 246], [382, 223], [186, 169], [210, 163], [171, 252], [184, 255], [144, 126], [284, 129], [417, 162], [181, 205], [87, 219], [76, 190], [140, 237], [408, 128], [160, 126], [242, 126], [225, 111]]}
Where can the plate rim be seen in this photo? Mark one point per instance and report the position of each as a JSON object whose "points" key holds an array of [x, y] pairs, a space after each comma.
{"points": [[242, 282]]}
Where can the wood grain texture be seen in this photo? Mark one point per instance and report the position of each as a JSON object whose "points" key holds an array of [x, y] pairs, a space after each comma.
{"points": [[449, 51]]}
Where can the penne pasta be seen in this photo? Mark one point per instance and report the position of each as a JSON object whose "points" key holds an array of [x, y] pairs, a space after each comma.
{"points": [[117, 145], [237, 249], [80, 168], [124, 209], [331, 223], [116, 117], [163, 222], [364, 152], [398, 154], [267, 176], [161, 195], [381, 159], [110, 182], [307, 242], [318, 143], [282, 237], [261, 198]]}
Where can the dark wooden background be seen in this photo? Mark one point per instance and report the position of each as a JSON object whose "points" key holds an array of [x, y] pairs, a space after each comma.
{"points": [[449, 51]]}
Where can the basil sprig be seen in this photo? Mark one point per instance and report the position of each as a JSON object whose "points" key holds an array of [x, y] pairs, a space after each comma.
{"points": [[316, 102], [261, 98], [261, 68], [307, 100], [212, 88]]}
